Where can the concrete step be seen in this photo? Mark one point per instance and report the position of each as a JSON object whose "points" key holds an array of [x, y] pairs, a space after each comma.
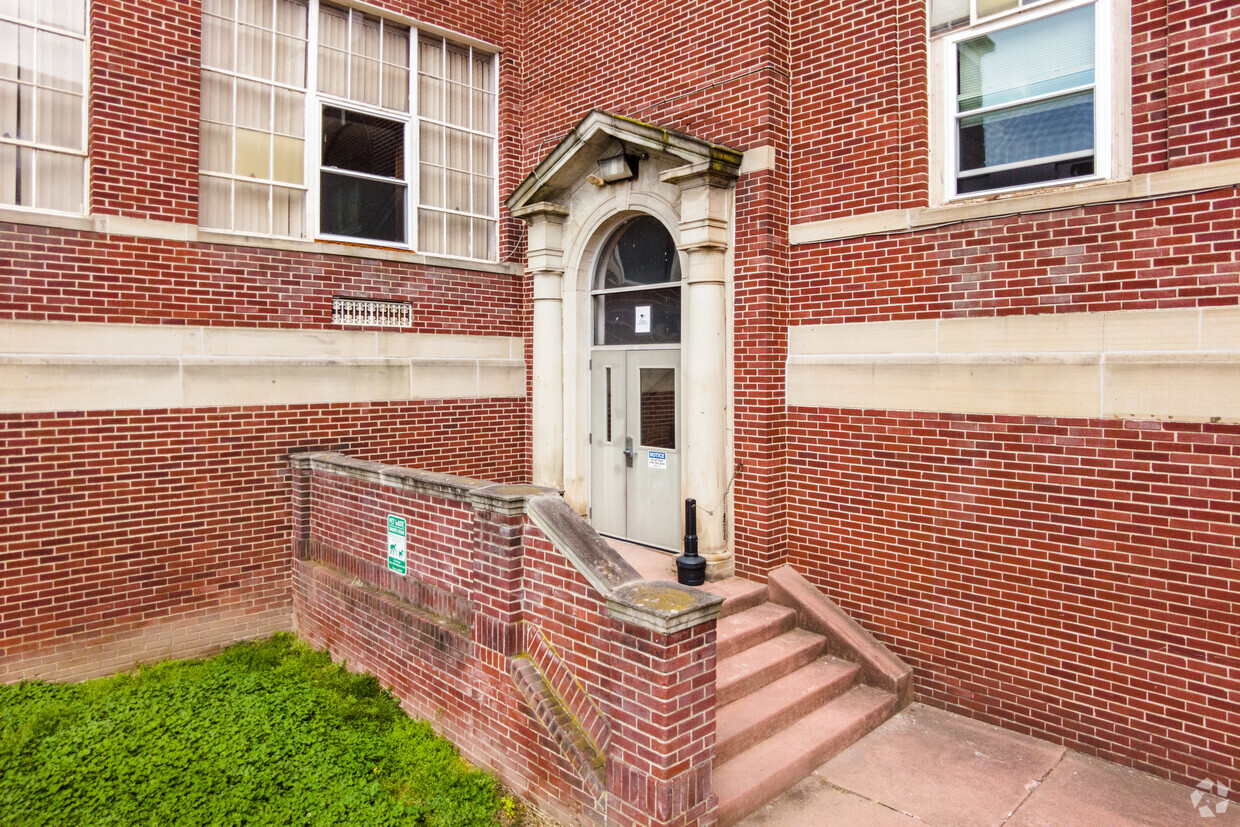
{"points": [[763, 771], [739, 632], [743, 723], [738, 594], [765, 663]]}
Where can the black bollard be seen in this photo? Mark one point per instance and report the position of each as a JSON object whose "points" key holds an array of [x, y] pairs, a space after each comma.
{"points": [[690, 568]]}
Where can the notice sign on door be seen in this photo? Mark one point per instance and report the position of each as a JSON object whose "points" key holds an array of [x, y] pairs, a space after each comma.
{"points": [[658, 459], [396, 544], [641, 323]]}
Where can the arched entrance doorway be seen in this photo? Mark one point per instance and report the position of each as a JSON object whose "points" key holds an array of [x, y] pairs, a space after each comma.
{"points": [[635, 440]]}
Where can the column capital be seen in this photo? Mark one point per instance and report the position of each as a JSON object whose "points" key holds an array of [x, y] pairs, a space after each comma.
{"points": [[545, 241], [705, 204]]}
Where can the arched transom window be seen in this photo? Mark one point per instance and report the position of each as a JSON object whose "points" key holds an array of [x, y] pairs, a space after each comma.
{"points": [[637, 287]]}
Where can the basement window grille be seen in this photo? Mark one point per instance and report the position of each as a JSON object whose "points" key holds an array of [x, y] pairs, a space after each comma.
{"points": [[371, 313]]}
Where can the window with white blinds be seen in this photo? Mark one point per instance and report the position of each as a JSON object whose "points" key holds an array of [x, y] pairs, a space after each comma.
{"points": [[252, 132], [405, 124], [1028, 91], [43, 104]]}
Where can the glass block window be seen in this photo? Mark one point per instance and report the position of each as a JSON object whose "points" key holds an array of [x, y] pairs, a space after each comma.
{"points": [[43, 104]]}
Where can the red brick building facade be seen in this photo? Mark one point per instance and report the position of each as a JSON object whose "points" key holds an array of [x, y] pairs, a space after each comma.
{"points": [[980, 350]]}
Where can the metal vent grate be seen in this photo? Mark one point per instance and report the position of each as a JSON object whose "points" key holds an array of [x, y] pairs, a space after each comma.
{"points": [[371, 313]]}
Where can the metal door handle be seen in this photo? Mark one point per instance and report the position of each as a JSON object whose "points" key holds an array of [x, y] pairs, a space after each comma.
{"points": [[628, 452]]}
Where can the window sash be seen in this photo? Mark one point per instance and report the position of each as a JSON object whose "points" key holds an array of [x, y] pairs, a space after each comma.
{"points": [[1044, 91], [465, 229], [43, 118]]}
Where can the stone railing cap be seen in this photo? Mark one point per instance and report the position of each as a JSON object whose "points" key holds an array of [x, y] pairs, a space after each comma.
{"points": [[663, 606]]}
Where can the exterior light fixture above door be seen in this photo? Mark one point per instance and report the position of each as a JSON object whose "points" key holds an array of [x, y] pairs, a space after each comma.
{"points": [[614, 168]]}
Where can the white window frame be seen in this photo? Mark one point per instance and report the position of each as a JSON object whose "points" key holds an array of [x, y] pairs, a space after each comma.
{"points": [[1111, 95], [82, 154], [316, 101], [313, 130]]}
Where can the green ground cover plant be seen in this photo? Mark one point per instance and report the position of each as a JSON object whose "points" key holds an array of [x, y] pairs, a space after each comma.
{"points": [[266, 733]]}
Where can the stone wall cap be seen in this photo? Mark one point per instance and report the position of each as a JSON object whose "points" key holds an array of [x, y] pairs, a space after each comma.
{"points": [[662, 606]]}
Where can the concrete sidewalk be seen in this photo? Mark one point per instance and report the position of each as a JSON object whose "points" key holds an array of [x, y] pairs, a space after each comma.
{"points": [[930, 767]]}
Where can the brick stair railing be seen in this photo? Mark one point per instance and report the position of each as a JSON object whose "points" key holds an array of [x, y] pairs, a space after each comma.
{"points": [[797, 682]]}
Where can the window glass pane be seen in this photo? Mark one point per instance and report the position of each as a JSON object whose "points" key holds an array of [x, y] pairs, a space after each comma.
{"points": [[63, 14], [484, 77], [456, 67], [288, 163], [291, 18], [254, 52], [989, 7], [217, 97], [458, 146], [484, 112], [431, 143], [16, 111], [1024, 133], [250, 205], [484, 239], [290, 61], [430, 97], [362, 208], [59, 181], [217, 43], [253, 158], [255, 12], [430, 56], [617, 319], [253, 105], [214, 147], [456, 190], [16, 176], [1036, 58], [644, 253], [214, 203], [289, 112], [334, 72], [456, 104], [287, 212], [944, 13], [59, 119], [395, 87], [658, 408], [483, 195], [60, 62], [430, 231], [363, 143], [456, 232], [482, 155], [607, 402], [430, 186]]}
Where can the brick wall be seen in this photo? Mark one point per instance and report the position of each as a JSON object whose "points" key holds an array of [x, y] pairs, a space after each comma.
{"points": [[122, 527], [643, 699], [1071, 579]]}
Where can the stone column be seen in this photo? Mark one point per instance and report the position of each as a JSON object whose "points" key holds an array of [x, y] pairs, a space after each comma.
{"points": [[545, 257], [704, 237]]}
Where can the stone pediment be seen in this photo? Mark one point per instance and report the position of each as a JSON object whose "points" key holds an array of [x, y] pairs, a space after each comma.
{"points": [[601, 134]]}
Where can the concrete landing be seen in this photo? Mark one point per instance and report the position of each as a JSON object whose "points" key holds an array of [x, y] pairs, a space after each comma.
{"points": [[929, 767]]}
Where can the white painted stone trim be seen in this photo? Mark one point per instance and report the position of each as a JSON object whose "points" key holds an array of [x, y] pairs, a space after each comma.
{"points": [[1195, 178], [190, 233], [1179, 364], [64, 366]]}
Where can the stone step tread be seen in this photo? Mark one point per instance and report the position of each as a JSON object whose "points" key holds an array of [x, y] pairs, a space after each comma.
{"points": [[753, 626], [745, 722], [738, 594], [763, 771], [746, 671]]}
